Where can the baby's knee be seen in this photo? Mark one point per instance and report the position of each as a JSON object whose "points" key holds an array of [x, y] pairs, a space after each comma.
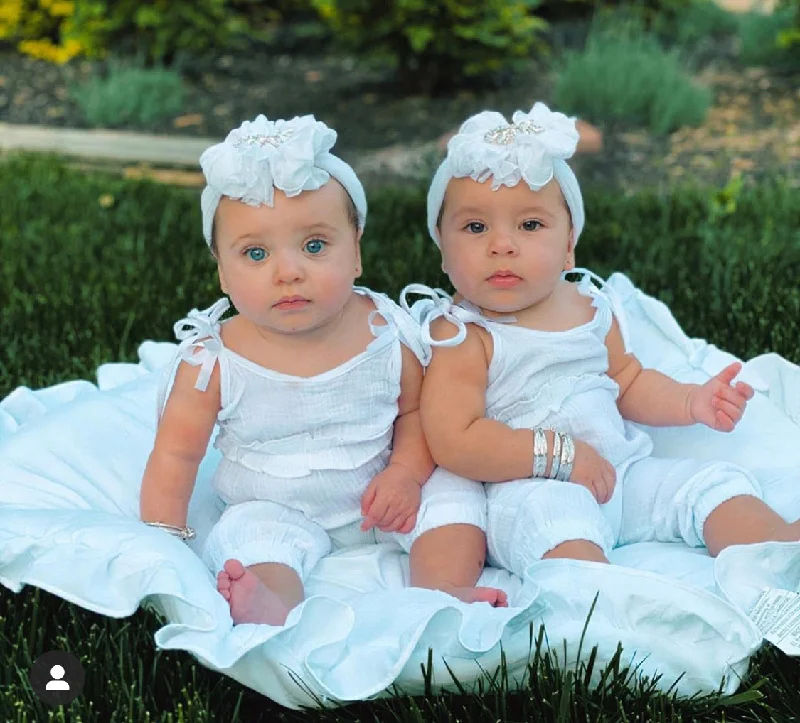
{"points": [[448, 502], [576, 550], [537, 518]]}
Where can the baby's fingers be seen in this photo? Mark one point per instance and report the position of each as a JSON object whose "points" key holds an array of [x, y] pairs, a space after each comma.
{"points": [[601, 485], [745, 390], [395, 524], [368, 498], [375, 515], [409, 524], [729, 394], [723, 422]]}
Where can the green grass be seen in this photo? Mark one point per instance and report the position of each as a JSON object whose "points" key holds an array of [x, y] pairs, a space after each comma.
{"points": [[92, 265]]}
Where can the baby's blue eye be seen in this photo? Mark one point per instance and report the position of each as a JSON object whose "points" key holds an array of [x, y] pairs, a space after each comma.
{"points": [[256, 254], [476, 227], [315, 246], [531, 225]]}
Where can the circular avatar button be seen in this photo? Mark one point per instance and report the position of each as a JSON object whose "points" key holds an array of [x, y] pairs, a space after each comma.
{"points": [[57, 677]]}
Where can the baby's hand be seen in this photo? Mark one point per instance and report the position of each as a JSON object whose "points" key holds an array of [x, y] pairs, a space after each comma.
{"points": [[391, 501], [717, 404], [593, 472]]}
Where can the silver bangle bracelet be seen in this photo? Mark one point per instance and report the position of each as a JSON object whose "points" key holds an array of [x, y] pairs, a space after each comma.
{"points": [[185, 533], [567, 458], [539, 453], [556, 463]]}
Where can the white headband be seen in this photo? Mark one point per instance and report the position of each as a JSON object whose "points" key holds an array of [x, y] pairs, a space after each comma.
{"points": [[534, 148], [262, 155]]}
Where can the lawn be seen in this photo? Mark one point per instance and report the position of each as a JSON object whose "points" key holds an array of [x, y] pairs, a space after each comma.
{"points": [[90, 266]]}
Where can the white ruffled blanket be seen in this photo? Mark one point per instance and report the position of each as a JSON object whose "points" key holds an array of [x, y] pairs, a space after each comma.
{"points": [[71, 462]]}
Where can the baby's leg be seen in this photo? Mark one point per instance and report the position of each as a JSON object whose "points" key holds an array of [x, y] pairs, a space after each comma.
{"points": [[744, 520], [530, 520], [713, 503], [447, 547], [262, 551], [577, 550], [451, 558]]}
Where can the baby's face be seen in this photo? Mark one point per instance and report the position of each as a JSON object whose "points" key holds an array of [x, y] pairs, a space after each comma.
{"points": [[504, 250], [290, 267]]}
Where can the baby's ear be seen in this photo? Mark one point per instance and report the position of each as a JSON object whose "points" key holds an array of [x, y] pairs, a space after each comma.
{"points": [[569, 263], [359, 268], [222, 284]]}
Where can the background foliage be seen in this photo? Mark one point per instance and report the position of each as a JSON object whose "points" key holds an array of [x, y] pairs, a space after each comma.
{"points": [[432, 44], [436, 43]]}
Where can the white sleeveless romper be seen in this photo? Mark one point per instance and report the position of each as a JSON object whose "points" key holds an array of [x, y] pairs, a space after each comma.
{"points": [[299, 452], [558, 380]]}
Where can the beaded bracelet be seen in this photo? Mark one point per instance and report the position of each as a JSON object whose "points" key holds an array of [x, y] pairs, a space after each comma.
{"points": [[185, 533]]}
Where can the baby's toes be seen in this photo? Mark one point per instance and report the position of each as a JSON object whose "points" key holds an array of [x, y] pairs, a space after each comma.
{"points": [[223, 581]]}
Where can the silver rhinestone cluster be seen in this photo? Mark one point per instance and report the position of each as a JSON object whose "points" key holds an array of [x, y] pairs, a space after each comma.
{"points": [[504, 135], [261, 140]]}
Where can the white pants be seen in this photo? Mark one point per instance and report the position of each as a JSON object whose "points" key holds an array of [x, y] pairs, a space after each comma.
{"points": [[657, 499], [265, 531]]}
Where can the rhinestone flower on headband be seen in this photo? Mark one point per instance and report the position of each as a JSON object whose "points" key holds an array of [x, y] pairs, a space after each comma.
{"points": [[488, 146], [260, 140], [503, 135]]}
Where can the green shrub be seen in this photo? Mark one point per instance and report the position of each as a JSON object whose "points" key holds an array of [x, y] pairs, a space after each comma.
{"points": [[771, 39], [434, 45], [130, 97], [697, 21], [624, 76]]}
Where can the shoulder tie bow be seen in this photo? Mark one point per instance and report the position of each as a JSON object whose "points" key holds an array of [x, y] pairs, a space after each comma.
{"points": [[200, 341]]}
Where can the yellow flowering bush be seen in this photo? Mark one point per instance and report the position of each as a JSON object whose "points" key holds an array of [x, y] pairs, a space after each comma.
{"points": [[59, 30], [52, 30]]}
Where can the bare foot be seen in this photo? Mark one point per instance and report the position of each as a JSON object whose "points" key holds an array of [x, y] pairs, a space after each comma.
{"points": [[251, 601], [492, 595]]}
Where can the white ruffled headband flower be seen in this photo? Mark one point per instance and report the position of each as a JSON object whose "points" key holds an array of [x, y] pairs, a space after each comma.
{"points": [[262, 155], [533, 148]]}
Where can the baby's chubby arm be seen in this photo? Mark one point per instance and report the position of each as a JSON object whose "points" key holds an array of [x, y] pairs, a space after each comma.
{"points": [[409, 447], [181, 442], [392, 499], [463, 440], [453, 409], [649, 397]]}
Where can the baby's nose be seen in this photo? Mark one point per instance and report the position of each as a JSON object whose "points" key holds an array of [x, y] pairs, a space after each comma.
{"points": [[502, 244], [287, 269]]}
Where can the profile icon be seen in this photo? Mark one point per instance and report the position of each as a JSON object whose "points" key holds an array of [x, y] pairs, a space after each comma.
{"points": [[57, 672], [57, 677]]}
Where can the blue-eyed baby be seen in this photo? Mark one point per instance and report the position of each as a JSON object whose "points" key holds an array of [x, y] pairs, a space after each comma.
{"points": [[314, 385]]}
